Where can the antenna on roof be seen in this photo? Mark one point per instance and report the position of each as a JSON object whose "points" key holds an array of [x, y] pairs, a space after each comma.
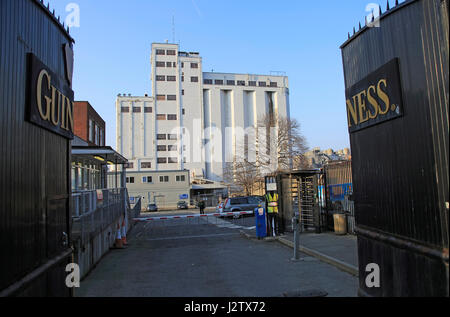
{"points": [[173, 29]]}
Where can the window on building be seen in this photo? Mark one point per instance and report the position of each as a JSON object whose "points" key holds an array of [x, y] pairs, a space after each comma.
{"points": [[182, 92], [125, 109], [174, 64], [128, 165], [173, 137], [252, 83], [273, 84], [161, 136], [162, 160], [97, 135], [241, 82], [130, 180], [171, 78], [172, 148], [231, 82], [218, 82], [194, 79], [160, 64], [171, 52], [146, 164], [160, 78], [160, 52], [173, 160], [262, 84], [171, 117], [161, 148], [169, 64], [171, 97], [182, 78], [160, 97], [91, 130], [182, 64], [136, 109], [148, 110], [164, 179], [181, 178], [194, 65], [102, 143], [147, 179], [160, 117], [183, 111], [207, 81]]}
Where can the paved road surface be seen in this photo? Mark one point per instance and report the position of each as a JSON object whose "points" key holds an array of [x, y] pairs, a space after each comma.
{"points": [[208, 257]]}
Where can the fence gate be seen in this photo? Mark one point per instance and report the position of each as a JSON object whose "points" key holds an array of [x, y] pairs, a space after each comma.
{"points": [[306, 202]]}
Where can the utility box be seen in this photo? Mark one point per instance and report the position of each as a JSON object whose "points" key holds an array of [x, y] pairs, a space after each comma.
{"points": [[260, 218]]}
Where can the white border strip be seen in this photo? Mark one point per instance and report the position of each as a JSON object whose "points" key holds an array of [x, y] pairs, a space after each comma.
{"points": [[224, 214]]}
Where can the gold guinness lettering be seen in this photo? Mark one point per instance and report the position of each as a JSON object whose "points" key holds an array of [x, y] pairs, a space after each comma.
{"points": [[49, 99], [383, 96], [357, 110], [376, 98], [58, 108], [373, 102], [46, 115]]}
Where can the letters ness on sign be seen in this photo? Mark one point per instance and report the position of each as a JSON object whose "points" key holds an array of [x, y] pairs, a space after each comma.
{"points": [[375, 99], [49, 99]]}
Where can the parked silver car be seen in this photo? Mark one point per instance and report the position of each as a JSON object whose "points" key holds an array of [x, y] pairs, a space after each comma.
{"points": [[236, 204]]}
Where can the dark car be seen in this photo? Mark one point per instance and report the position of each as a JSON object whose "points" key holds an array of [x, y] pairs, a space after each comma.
{"points": [[152, 207], [182, 205]]}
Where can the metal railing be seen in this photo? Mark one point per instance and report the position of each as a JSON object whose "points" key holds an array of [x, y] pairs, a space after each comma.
{"points": [[95, 210], [348, 207]]}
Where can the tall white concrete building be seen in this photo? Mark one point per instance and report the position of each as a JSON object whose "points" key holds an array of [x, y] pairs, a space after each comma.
{"points": [[193, 117]]}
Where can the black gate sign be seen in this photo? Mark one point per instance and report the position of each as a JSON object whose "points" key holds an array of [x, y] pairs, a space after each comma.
{"points": [[375, 99], [49, 99]]}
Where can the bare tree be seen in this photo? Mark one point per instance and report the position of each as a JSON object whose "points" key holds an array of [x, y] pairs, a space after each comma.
{"points": [[243, 173], [275, 145], [281, 135]]}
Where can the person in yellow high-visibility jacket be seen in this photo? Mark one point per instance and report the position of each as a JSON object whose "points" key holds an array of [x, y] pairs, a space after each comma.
{"points": [[272, 212]]}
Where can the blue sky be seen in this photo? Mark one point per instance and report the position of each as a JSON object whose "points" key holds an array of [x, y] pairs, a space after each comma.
{"points": [[301, 38]]}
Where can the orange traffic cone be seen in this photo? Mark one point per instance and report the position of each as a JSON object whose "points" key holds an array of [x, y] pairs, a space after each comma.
{"points": [[124, 233], [118, 244]]}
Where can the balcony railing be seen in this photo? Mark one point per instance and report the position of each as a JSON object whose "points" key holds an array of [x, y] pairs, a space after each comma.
{"points": [[95, 210]]}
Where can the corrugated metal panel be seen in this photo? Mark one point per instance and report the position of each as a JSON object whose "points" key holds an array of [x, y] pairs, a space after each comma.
{"points": [[400, 167], [34, 165]]}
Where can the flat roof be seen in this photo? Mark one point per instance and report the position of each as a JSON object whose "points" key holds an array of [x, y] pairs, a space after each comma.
{"points": [[245, 74], [106, 152]]}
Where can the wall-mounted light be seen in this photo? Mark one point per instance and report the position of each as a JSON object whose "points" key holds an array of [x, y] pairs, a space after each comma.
{"points": [[99, 158], [110, 163]]}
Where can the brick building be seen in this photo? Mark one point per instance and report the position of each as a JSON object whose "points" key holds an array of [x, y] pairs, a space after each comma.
{"points": [[88, 125]]}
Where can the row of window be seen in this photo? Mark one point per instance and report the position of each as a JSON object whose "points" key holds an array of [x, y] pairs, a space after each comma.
{"points": [[164, 52], [174, 64], [166, 117], [166, 78], [194, 79], [136, 109], [96, 133], [166, 64], [167, 160], [166, 97], [239, 83], [164, 148], [162, 179], [166, 137]]}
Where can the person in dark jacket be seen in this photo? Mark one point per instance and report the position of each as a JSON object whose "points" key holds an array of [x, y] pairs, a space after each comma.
{"points": [[201, 205]]}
